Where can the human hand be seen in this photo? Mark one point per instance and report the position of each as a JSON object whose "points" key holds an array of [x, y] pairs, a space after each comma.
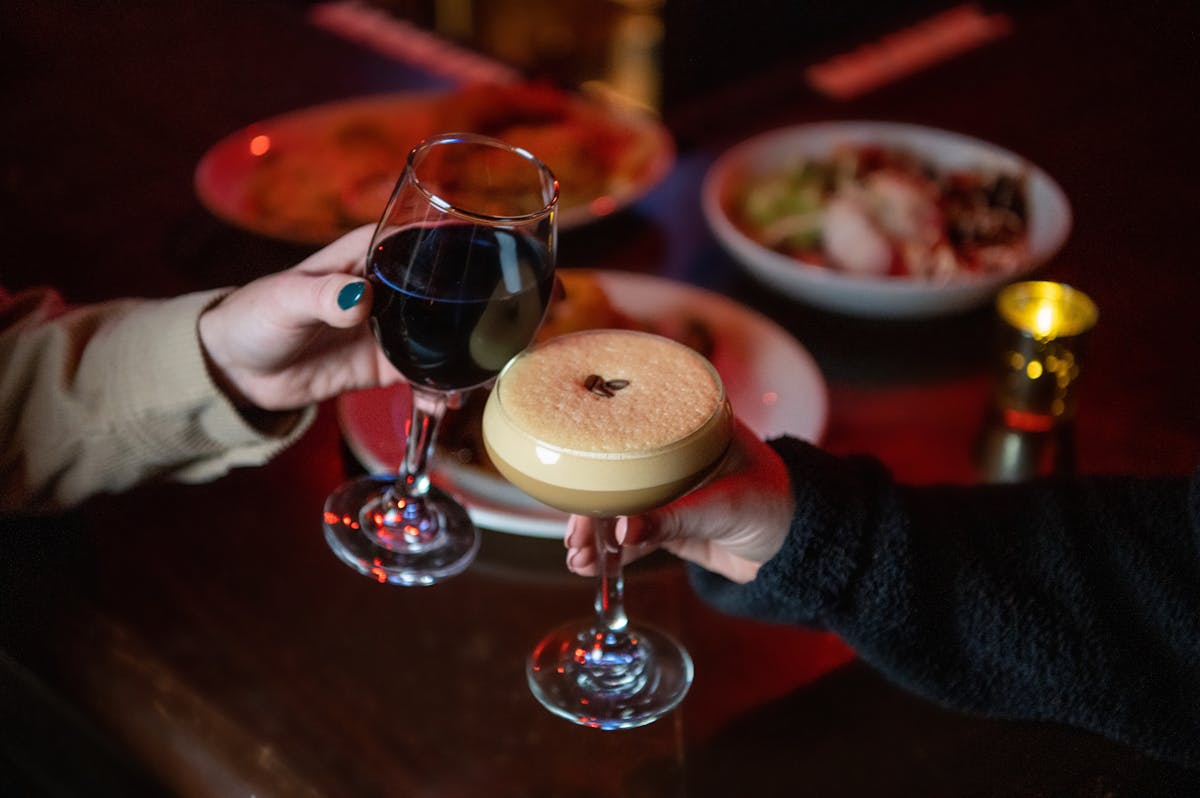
{"points": [[285, 340], [731, 525]]}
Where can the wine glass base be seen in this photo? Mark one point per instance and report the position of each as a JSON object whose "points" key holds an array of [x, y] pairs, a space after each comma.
{"points": [[637, 690], [352, 508]]}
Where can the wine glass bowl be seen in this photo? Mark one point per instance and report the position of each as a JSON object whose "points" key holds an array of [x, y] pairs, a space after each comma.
{"points": [[608, 423], [462, 269]]}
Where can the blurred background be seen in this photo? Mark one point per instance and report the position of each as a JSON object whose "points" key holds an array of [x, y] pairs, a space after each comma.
{"points": [[660, 53]]}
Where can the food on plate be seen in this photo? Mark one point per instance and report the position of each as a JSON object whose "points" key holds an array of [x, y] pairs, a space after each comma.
{"points": [[593, 152], [336, 171], [582, 304], [885, 211]]}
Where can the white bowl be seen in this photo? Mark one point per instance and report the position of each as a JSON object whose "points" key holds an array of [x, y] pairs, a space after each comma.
{"points": [[1049, 220]]}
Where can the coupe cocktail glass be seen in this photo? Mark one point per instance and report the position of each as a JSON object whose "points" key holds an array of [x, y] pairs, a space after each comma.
{"points": [[608, 423]]}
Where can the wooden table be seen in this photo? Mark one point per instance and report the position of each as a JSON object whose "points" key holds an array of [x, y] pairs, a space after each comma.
{"points": [[203, 641]]}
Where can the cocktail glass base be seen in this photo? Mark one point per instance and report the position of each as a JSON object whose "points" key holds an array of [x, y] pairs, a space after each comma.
{"points": [[442, 542], [589, 676]]}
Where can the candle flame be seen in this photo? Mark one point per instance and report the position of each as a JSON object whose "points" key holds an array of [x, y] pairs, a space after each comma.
{"points": [[1045, 321]]}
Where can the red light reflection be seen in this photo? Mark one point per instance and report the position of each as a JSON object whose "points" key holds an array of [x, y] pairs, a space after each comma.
{"points": [[603, 206], [1026, 421], [378, 572], [260, 145]]}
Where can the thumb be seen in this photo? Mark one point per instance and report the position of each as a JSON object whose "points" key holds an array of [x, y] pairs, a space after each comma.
{"points": [[649, 529], [339, 300]]}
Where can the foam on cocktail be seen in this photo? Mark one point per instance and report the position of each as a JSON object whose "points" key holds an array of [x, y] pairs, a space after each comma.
{"points": [[607, 421], [666, 392]]}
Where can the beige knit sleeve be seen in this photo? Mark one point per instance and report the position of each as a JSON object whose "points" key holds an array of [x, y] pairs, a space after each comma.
{"points": [[106, 396]]}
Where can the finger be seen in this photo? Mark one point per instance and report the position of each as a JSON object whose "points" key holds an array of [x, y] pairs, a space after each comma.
{"points": [[338, 300], [579, 532], [582, 561], [345, 255], [637, 530]]}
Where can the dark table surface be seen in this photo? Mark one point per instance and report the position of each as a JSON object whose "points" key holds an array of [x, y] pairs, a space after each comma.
{"points": [[202, 640]]}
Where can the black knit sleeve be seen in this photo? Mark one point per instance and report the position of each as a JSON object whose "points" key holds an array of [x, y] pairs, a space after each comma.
{"points": [[1071, 600]]}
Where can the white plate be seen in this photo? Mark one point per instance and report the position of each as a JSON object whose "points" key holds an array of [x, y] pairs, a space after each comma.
{"points": [[307, 177], [773, 383], [880, 297]]}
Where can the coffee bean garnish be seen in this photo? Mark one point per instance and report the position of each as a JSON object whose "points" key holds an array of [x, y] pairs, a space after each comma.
{"points": [[602, 387]]}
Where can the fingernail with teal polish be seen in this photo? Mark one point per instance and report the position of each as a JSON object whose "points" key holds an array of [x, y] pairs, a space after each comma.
{"points": [[350, 294]]}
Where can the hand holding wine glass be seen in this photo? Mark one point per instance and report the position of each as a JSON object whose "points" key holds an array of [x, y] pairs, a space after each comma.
{"points": [[462, 269], [298, 336]]}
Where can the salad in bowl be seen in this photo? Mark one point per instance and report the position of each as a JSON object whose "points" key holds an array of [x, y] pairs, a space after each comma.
{"points": [[883, 219]]}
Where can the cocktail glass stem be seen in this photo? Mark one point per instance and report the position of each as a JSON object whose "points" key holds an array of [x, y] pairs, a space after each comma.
{"points": [[602, 672], [610, 598], [614, 660]]}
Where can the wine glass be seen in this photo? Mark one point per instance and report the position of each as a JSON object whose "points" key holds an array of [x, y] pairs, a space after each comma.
{"points": [[608, 423], [462, 269]]}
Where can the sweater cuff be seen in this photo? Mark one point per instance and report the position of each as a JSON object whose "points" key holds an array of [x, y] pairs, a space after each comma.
{"points": [[174, 383], [809, 576]]}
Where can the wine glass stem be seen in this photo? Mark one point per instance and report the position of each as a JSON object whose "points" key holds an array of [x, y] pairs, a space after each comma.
{"points": [[408, 522], [428, 407], [610, 597]]}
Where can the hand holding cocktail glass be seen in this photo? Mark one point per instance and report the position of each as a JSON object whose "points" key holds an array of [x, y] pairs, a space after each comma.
{"points": [[729, 526], [608, 423]]}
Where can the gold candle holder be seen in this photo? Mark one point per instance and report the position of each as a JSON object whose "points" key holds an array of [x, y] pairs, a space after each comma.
{"points": [[1042, 338]]}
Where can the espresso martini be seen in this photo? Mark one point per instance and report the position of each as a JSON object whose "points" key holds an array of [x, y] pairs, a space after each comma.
{"points": [[607, 423]]}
